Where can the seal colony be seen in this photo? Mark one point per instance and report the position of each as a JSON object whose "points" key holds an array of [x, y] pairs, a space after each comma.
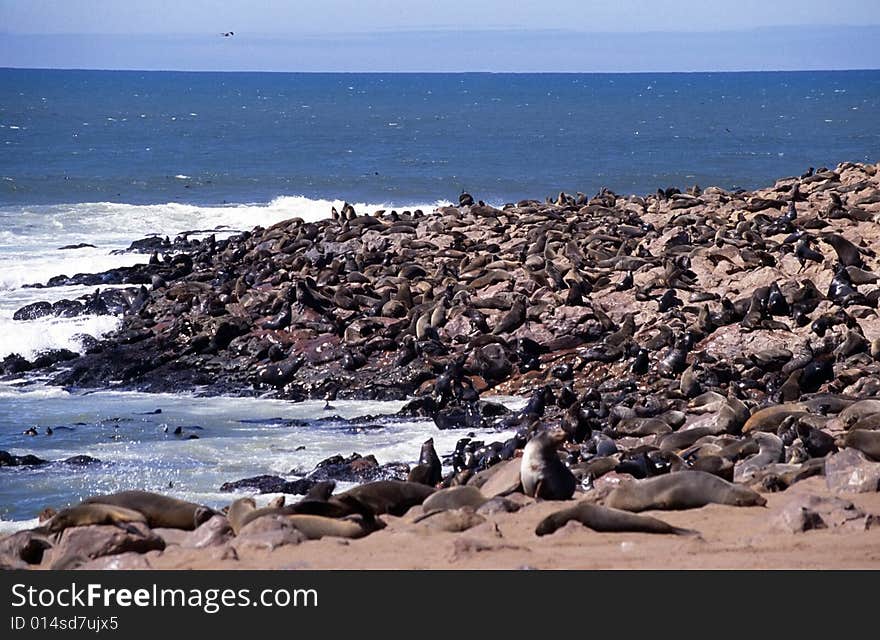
{"points": [[699, 351]]}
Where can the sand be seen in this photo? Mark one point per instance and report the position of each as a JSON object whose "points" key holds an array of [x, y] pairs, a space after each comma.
{"points": [[730, 538]]}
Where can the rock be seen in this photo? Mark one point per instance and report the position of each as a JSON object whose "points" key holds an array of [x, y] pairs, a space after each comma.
{"points": [[357, 468], [216, 531], [23, 547], [81, 460], [806, 512], [270, 484], [14, 364], [96, 541], [267, 533], [851, 470], [9, 460], [128, 561], [504, 479], [451, 520], [497, 505]]}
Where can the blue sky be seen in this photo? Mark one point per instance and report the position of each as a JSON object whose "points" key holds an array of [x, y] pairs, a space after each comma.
{"points": [[452, 35]]}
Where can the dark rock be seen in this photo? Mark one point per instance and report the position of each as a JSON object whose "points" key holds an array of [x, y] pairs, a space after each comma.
{"points": [[357, 468], [270, 484], [9, 460]]}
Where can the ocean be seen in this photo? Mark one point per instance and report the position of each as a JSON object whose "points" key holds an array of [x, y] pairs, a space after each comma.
{"points": [[105, 157]]}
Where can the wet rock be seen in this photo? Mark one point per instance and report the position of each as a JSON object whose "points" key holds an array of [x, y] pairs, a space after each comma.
{"points": [[14, 364], [33, 311], [53, 356], [357, 468], [851, 470], [81, 461], [9, 460], [270, 484]]}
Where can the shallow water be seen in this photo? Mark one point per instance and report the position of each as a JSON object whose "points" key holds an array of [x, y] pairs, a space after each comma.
{"points": [[237, 438]]}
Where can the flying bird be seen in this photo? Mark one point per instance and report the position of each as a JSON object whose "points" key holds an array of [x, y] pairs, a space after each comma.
{"points": [[226, 34]]}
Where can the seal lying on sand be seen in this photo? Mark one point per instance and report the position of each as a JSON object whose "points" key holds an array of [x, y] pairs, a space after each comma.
{"points": [[603, 519], [159, 510], [244, 511], [681, 490]]}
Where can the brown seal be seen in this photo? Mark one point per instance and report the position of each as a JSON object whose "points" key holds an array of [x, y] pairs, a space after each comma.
{"points": [[542, 473], [88, 514], [868, 442], [604, 519], [159, 510], [681, 490]]}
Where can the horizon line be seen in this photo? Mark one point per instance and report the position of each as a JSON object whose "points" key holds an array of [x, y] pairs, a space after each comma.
{"points": [[455, 72], [446, 29]]}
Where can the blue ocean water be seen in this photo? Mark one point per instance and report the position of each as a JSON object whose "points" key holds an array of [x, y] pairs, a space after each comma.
{"points": [[92, 136]]}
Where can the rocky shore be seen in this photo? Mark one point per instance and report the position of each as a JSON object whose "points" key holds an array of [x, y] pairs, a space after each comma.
{"points": [[698, 351]]}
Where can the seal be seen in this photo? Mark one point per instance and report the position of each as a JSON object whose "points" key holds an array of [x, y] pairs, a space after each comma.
{"points": [[159, 510], [88, 514], [455, 498], [317, 527], [606, 520], [243, 512], [868, 442], [542, 473], [429, 470], [389, 496], [769, 418], [770, 451], [682, 490]]}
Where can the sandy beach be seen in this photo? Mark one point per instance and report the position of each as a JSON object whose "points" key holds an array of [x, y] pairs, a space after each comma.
{"points": [[730, 538]]}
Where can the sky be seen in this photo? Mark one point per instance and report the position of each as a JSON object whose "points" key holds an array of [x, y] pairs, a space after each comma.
{"points": [[452, 35]]}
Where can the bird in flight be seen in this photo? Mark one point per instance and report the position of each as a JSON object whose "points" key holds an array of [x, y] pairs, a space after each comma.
{"points": [[226, 34]]}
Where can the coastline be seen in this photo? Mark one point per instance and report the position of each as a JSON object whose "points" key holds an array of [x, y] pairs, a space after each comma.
{"points": [[730, 333]]}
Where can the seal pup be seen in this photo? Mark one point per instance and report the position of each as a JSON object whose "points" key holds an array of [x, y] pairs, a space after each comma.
{"points": [[682, 490], [542, 473], [606, 520], [159, 510]]}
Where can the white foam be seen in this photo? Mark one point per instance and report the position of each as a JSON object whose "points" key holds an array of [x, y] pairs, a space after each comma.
{"points": [[38, 266], [11, 526], [30, 337]]}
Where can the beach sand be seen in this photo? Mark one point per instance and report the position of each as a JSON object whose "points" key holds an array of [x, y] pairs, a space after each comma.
{"points": [[730, 538]]}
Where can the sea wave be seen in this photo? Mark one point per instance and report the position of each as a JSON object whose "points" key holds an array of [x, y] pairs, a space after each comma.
{"points": [[91, 221], [29, 338]]}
